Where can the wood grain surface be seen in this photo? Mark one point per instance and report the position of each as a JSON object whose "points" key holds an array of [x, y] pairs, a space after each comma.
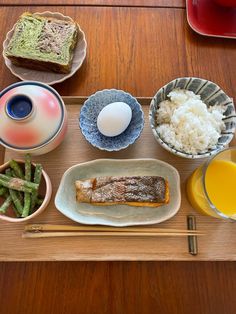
{"points": [[127, 287], [136, 55], [115, 288], [121, 3], [75, 149]]}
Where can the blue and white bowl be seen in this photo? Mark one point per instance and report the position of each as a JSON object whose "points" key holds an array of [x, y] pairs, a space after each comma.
{"points": [[90, 111], [211, 94]]}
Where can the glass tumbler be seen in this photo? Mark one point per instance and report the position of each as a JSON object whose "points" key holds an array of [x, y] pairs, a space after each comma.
{"points": [[211, 189]]}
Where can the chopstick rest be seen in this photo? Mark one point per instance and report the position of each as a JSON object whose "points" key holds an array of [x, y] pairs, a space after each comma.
{"points": [[192, 239]]}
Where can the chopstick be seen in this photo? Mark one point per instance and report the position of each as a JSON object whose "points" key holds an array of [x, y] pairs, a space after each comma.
{"points": [[46, 231], [104, 234], [48, 227]]}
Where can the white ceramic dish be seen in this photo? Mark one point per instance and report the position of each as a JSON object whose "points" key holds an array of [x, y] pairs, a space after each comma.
{"points": [[117, 215], [49, 78]]}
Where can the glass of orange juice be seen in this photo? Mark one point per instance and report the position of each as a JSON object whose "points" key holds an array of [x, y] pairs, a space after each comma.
{"points": [[211, 188]]}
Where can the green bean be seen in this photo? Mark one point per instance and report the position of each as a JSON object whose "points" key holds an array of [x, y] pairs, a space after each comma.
{"points": [[27, 196], [5, 205], [16, 201], [26, 208], [18, 184], [37, 180], [8, 172], [39, 201], [20, 195], [17, 169], [3, 190], [27, 167], [14, 195], [38, 173]]}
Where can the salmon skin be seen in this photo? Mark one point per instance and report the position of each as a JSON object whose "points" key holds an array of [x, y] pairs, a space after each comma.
{"points": [[148, 191]]}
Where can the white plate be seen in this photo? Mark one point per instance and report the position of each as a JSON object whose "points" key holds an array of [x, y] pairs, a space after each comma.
{"points": [[49, 78], [117, 215]]}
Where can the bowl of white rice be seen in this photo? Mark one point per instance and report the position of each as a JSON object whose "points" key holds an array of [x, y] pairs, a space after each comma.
{"points": [[192, 117]]}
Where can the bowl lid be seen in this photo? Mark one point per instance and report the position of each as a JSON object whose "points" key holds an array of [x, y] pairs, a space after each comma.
{"points": [[31, 114]]}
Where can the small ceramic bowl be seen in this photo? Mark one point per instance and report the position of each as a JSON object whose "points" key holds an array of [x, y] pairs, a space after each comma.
{"points": [[211, 94], [90, 111], [45, 191]]}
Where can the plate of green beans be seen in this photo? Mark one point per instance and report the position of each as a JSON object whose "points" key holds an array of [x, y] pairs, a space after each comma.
{"points": [[24, 189]]}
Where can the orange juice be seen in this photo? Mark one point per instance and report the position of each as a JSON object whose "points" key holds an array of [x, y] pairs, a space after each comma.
{"points": [[196, 194], [213, 191], [220, 183]]}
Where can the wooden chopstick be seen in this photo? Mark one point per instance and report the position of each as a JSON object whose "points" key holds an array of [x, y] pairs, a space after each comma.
{"points": [[47, 227], [104, 234]]}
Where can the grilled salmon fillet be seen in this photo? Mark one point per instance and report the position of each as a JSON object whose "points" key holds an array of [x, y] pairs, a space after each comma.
{"points": [[150, 191]]}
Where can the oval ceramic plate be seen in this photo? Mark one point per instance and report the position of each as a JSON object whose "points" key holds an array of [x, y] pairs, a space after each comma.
{"points": [[49, 78], [117, 215]]}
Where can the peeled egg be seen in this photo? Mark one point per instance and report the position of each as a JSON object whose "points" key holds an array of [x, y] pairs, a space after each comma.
{"points": [[114, 118]]}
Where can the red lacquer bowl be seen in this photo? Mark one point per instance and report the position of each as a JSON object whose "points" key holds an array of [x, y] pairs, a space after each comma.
{"points": [[209, 18]]}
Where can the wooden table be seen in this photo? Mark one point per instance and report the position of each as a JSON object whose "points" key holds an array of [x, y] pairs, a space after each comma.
{"points": [[144, 48], [113, 3]]}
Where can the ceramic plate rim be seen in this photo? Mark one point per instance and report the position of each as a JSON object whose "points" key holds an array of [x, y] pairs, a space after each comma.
{"points": [[123, 224]]}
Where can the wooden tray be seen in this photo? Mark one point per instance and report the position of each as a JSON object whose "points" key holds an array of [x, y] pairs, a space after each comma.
{"points": [[219, 244]]}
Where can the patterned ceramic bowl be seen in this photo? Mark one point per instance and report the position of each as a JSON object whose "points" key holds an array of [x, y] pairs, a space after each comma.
{"points": [[90, 111], [211, 94]]}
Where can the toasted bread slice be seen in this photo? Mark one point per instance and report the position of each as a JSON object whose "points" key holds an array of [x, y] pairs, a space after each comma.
{"points": [[42, 43]]}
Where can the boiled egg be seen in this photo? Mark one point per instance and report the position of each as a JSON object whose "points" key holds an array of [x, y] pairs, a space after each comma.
{"points": [[114, 118]]}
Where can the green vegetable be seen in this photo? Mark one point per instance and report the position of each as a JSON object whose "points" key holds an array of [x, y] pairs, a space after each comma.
{"points": [[16, 201], [17, 187], [8, 172], [18, 184], [37, 180], [27, 196], [39, 201], [5, 205], [17, 169], [14, 195], [20, 195], [26, 208], [3, 190], [28, 168], [38, 173]]}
